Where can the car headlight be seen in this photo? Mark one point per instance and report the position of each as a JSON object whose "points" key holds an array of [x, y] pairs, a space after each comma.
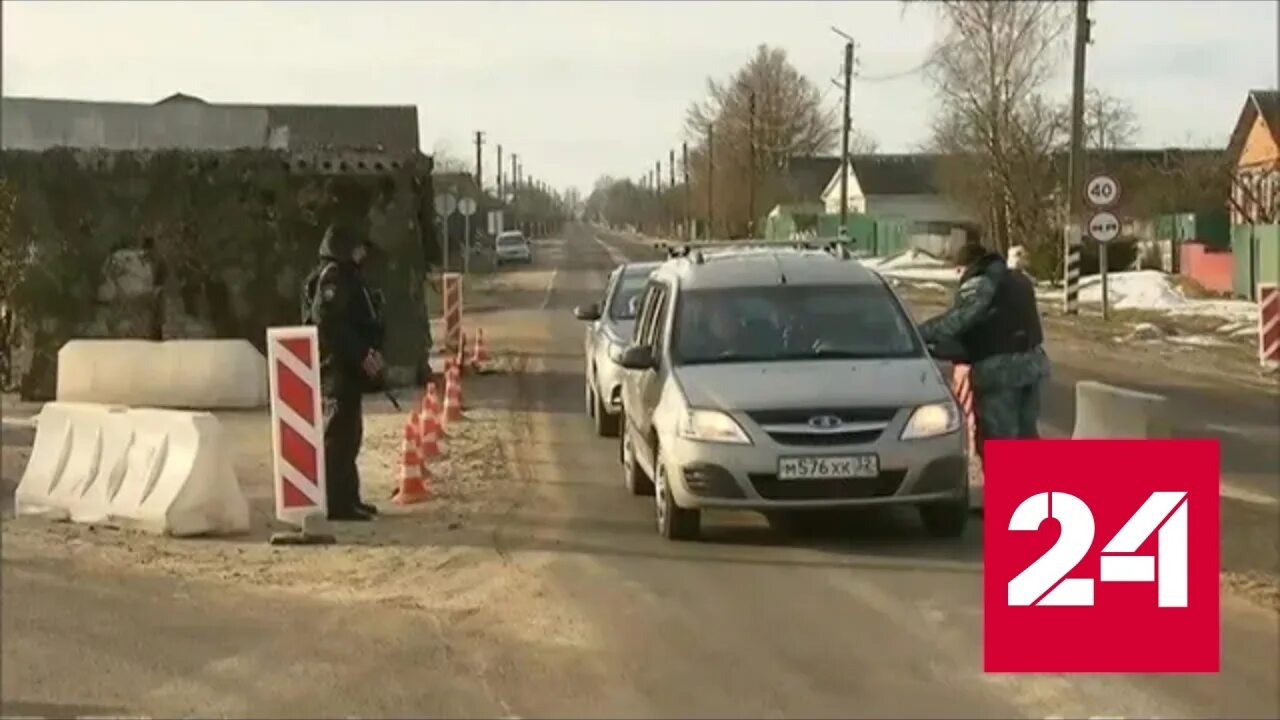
{"points": [[712, 426], [932, 420]]}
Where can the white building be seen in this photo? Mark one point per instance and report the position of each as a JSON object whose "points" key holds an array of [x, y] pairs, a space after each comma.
{"points": [[893, 187]]}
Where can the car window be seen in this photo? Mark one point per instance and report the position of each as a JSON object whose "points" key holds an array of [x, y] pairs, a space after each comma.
{"points": [[648, 309], [792, 322], [508, 240], [627, 295], [656, 335]]}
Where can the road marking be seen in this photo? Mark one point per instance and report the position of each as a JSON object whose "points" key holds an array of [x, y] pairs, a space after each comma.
{"points": [[615, 255], [551, 284], [1262, 432], [1235, 492]]}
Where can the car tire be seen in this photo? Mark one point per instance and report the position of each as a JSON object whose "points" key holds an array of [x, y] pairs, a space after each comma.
{"points": [[674, 522], [633, 476], [606, 424], [947, 519]]}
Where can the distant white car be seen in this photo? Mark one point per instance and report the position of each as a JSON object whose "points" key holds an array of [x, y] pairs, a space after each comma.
{"points": [[512, 246]]}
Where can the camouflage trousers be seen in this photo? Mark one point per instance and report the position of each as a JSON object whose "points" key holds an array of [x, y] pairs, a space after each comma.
{"points": [[1007, 413]]}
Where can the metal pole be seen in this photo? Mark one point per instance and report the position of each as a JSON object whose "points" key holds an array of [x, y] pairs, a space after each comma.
{"points": [[844, 142], [466, 244], [501, 188], [751, 177], [1075, 173], [479, 166], [711, 175], [688, 207]]}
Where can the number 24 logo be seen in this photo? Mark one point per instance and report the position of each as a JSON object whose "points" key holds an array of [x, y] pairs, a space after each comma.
{"points": [[1042, 583]]}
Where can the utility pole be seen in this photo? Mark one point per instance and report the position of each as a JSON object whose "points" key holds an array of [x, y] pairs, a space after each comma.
{"points": [[751, 180], [501, 194], [671, 171], [515, 172], [844, 140], [711, 174], [1072, 235], [479, 155], [688, 214]]}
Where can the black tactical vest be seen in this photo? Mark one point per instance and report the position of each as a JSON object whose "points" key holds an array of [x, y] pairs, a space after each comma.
{"points": [[1012, 322]]}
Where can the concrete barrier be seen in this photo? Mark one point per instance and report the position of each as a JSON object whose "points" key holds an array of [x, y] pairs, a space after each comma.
{"points": [[159, 471], [1106, 411], [202, 374]]}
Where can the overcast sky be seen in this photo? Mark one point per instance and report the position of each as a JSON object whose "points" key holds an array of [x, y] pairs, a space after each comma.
{"points": [[579, 89]]}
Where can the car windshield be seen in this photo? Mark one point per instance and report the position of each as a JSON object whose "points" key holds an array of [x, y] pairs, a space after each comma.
{"points": [[791, 322], [626, 295], [510, 240]]}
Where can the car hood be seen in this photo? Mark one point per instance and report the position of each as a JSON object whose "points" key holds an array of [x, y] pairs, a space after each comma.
{"points": [[812, 384]]}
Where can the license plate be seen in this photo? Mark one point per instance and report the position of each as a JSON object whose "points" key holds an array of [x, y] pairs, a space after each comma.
{"points": [[829, 467]]}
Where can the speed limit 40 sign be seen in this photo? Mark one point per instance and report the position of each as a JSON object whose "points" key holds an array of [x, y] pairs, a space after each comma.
{"points": [[1102, 191]]}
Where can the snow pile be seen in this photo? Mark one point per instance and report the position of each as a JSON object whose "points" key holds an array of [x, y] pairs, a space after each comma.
{"points": [[915, 266], [1153, 290]]}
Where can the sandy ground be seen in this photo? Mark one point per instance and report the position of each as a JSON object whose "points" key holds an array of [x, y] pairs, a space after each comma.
{"points": [[444, 555]]}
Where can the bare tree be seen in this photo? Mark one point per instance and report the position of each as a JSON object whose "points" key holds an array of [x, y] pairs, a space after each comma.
{"points": [[445, 161], [791, 119], [1109, 121], [989, 69]]}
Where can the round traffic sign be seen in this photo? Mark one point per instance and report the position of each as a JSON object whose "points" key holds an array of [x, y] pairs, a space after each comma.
{"points": [[1104, 227], [446, 204], [467, 206], [1102, 191]]}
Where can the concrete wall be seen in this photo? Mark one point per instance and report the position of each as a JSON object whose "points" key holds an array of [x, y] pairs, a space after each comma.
{"points": [[38, 124]]}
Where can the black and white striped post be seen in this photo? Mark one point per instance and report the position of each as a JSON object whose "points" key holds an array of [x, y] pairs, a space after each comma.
{"points": [[1071, 270]]}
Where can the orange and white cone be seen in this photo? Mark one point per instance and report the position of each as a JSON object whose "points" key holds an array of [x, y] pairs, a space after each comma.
{"points": [[479, 358], [452, 395], [431, 404], [430, 438], [413, 474]]}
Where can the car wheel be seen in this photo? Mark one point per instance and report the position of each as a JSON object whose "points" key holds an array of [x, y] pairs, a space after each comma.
{"points": [[945, 520], [633, 477], [606, 424], [674, 522]]}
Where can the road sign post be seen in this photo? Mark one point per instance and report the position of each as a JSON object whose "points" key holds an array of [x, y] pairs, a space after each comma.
{"points": [[466, 206], [445, 206], [1103, 192]]}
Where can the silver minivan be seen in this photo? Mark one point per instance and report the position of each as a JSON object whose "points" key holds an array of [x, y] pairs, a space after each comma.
{"points": [[785, 381]]}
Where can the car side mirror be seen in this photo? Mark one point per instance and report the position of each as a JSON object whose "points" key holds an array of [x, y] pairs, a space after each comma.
{"points": [[587, 312], [636, 357]]}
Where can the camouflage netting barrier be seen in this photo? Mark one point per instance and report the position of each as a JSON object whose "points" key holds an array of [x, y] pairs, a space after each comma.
{"points": [[167, 245]]}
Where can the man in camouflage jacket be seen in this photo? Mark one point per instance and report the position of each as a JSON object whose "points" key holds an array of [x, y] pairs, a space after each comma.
{"points": [[996, 320]]}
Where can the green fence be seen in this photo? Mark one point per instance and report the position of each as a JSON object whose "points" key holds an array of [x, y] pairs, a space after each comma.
{"points": [[876, 236], [1256, 253], [1213, 229]]}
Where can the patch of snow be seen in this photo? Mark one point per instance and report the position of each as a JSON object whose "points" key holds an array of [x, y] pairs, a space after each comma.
{"points": [[1198, 341], [1152, 290], [1145, 331], [932, 286], [1245, 331]]}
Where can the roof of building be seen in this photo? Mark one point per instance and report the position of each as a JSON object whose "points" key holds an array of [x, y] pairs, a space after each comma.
{"points": [[1264, 103], [896, 174], [762, 267], [807, 176], [39, 123]]}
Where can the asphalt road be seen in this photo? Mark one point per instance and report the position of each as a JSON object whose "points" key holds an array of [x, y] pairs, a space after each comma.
{"points": [[887, 624], [883, 624]]}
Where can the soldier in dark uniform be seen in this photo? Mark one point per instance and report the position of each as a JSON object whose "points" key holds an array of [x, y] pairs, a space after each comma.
{"points": [[996, 320], [343, 310]]}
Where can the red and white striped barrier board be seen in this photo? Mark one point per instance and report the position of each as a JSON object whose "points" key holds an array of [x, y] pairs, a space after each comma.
{"points": [[1269, 325], [964, 395], [297, 423], [451, 303]]}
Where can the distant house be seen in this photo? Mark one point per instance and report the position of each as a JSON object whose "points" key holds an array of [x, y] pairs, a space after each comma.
{"points": [[1255, 151], [900, 186], [805, 178], [190, 123]]}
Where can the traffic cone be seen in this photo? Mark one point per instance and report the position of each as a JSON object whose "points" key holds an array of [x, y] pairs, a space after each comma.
{"points": [[479, 358], [430, 439], [431, 404], [413, 474], [460, 359], [452, 395]]}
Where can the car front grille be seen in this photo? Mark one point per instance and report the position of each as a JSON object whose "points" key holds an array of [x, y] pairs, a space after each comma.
{"points": [[791, 427], [771, 488]]}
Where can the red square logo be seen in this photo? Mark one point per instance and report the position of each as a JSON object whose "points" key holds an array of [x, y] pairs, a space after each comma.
{"points": [[1100, 556]]}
